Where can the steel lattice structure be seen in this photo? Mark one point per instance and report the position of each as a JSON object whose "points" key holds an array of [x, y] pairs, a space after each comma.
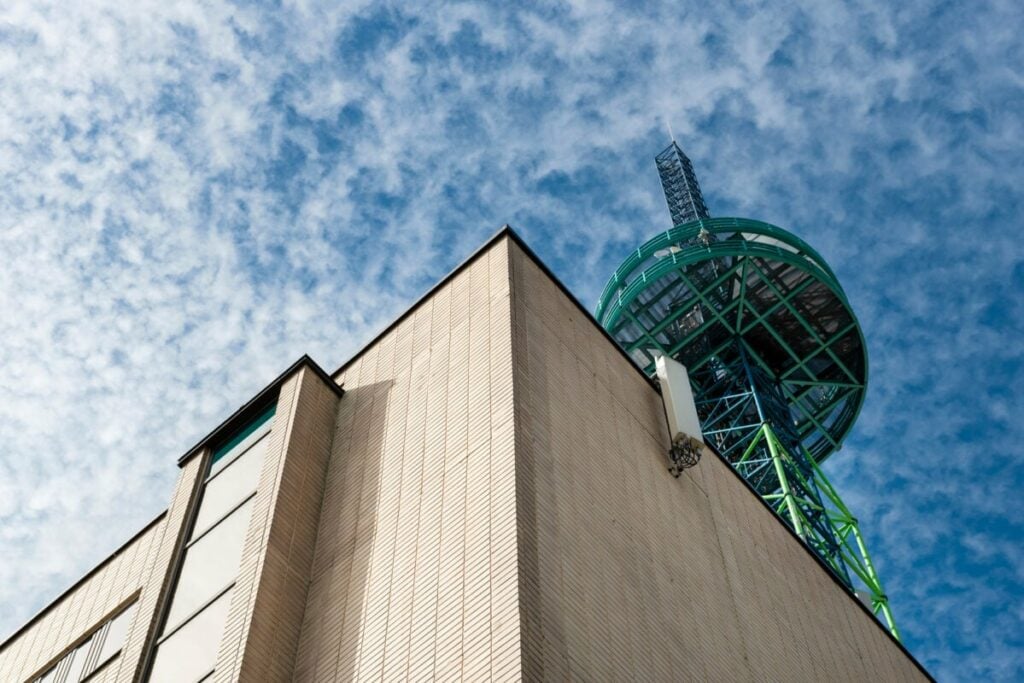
{"points": [[682, 191], [775, 355]]}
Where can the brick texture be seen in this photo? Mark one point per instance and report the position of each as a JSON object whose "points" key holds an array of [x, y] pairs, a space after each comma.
{"points": [[490, 501], [415, 569], [136, 570], [278, 567], [153, 597], [629, 574]]}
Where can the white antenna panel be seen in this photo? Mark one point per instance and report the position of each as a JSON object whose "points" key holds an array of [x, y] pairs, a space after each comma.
{"points": [[678, 396]]}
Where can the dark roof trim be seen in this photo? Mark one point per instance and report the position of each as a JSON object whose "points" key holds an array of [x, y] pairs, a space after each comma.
{"points": [[828, 570], [480, 251], [505, 231], [77, 584], [256, 405], [583, 309]]}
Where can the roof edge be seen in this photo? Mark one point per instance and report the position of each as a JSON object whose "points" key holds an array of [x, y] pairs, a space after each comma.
{"points": [[814, 556], [259, 401], [529, 252], [505, 231], [256, 403], [88, 575]]}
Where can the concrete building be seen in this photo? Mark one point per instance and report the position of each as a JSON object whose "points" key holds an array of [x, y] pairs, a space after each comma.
{"points": [[480, 493]]}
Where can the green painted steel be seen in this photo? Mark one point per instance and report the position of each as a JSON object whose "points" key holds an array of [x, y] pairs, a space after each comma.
{"points": [[852, 557], [759, 283]]}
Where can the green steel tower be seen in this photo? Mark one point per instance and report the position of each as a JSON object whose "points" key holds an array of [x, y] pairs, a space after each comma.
{"points": [[774, 352]]}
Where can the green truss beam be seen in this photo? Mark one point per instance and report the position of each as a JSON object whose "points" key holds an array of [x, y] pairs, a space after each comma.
{"points": [[795, 510]]}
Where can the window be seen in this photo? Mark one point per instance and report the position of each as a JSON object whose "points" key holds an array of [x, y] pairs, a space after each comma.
{"points": [[191, 651], [230, 485], [192, 631], [102, 645], [210, 565], [113, 639], [77, 668], [254, 430]]}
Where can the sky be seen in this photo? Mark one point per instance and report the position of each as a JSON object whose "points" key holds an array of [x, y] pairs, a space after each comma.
{"points": [[193, 194]]}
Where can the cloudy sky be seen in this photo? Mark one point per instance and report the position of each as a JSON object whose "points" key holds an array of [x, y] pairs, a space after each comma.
{"points": [[192, 194]]}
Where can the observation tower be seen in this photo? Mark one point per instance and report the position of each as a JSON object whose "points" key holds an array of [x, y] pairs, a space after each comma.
{"points": [[775, 356]]}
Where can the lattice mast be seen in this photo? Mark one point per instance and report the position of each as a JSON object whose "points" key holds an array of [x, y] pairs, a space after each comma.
{"points": [[775, 355], [682, 191]]}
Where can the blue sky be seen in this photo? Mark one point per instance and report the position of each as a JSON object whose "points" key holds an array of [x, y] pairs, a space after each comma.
{"points": [[193, 194]]}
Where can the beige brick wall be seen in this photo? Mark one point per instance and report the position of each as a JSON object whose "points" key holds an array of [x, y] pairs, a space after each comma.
{"points": [[269, 598], [414, 573], [78, 613], [252, 563], [490, 500], [628, 573], [276, 564]]}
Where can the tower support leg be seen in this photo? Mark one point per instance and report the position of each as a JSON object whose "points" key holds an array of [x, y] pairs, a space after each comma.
{"points": [[851, 560]]}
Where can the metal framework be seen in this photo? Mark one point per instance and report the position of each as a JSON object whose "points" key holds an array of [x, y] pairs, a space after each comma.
{"points": [[774, 352], [682, 191]]}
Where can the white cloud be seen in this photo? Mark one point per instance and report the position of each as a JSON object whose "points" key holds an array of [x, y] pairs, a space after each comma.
{"points": [[188, 202]]}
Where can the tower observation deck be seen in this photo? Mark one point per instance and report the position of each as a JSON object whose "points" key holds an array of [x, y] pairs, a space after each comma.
{"points": [[774, 352]]}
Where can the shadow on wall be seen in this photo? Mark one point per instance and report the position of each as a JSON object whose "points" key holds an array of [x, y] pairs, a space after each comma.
{"points": [[329, 641]]}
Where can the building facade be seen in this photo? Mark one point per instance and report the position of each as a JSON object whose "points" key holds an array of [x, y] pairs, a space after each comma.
{"points": [[481, 493]]}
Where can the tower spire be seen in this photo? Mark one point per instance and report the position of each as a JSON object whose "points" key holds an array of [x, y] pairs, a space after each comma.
{"points": [[682, 191]]}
